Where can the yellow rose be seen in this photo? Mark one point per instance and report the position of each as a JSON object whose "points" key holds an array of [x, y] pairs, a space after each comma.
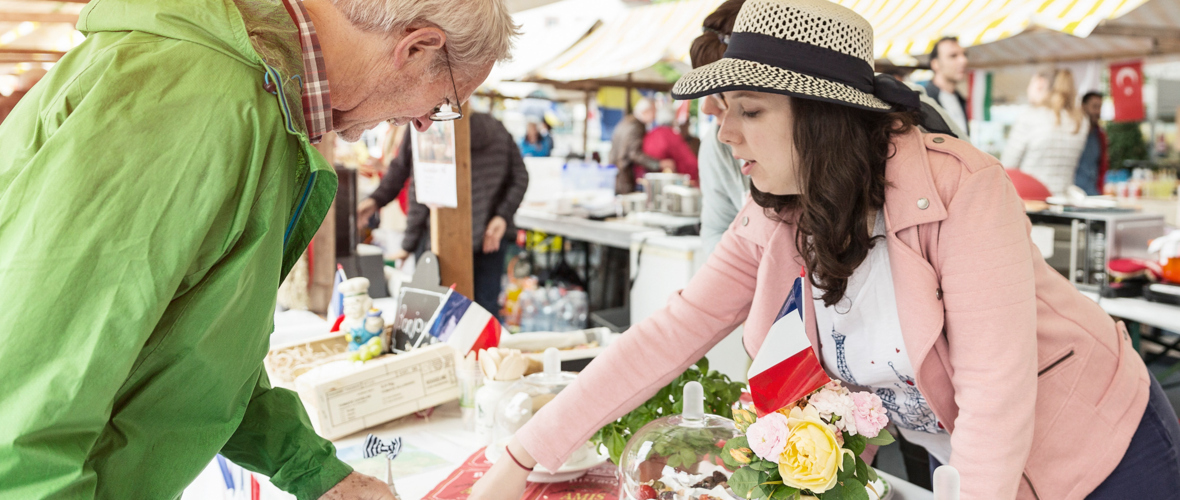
{"points": [[812, 458]]}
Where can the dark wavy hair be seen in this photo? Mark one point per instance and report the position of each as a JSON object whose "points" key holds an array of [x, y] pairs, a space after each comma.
{"points": [[709, 47], [841, 177]]}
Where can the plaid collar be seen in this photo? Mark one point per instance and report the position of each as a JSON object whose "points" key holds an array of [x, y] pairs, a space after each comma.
{"points": [[317, 108]]}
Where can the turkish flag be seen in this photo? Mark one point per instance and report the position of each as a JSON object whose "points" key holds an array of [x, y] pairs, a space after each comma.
{"points": [[1126, 90]]}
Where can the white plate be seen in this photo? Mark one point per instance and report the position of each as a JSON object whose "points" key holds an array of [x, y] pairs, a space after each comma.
{"points": [[883, 488], [584, 459]]}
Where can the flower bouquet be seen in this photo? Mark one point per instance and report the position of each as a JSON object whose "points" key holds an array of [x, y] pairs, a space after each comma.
{"points": [[809, 449]]}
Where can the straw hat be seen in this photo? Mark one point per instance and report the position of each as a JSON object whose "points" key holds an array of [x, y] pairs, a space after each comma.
{"points": [[812, 49]]}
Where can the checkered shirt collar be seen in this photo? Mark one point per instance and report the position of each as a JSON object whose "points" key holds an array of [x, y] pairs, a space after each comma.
{"points": [[317, 107]]}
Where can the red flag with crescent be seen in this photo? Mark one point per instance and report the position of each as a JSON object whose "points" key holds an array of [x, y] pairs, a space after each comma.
{"points": [[1126, 90]]}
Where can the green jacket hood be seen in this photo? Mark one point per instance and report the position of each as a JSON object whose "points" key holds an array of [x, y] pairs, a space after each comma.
{"points": [[255, 32]]}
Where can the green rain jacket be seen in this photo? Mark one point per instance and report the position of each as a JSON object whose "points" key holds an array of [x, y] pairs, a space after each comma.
{"points": [[153, 194]]}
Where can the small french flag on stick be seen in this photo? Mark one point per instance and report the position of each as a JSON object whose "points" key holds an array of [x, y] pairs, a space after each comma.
{"points": [[786, 368], [464, 324]]}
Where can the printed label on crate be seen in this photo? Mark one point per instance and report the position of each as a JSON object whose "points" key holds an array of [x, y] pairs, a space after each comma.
{"points": [[390, 388]]}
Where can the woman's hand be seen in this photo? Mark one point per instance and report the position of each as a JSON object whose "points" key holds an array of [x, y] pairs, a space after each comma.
{"points": [[506, 479]]}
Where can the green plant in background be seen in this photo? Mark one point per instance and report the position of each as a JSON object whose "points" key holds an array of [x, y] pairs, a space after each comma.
{"points": [[720, 395], [1125, 142]]}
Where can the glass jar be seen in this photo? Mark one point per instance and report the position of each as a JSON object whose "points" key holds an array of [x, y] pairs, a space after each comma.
{"points": [[678, 457]]}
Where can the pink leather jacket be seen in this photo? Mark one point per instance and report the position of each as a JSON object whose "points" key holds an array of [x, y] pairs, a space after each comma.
{"points": [[1039, 388]]}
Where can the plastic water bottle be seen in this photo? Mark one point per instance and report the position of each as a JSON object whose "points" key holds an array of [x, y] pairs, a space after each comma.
{"points": [[528, 311], [579, 304], [546, 316]]}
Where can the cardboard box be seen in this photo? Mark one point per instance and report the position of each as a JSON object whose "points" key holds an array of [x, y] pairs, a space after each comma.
{"points": [[344, 397]]}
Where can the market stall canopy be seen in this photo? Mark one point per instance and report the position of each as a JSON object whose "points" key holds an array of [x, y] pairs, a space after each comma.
{"points": [[631, 43], [905, 29], [36, 32], [548, 31], [1153, 28]]}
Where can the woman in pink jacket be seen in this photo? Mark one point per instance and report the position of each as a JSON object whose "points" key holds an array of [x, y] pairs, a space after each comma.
{"points": [[924, 286]]}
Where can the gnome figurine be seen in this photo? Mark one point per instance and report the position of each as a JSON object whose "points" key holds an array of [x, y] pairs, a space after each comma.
{"points": [[366, 340], [356, 304]]}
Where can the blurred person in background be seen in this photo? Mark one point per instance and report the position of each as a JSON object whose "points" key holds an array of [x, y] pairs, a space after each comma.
{"points": [[948, 61], [665, 143], [156, 187], [723, 187], [536, 141], [25, 82], [498, 182], [1094, 161], [626, 148], [1047, 140]]}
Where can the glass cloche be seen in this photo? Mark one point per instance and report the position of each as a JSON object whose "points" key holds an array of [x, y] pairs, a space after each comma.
{"points": [[521, 401], [678, 457]]}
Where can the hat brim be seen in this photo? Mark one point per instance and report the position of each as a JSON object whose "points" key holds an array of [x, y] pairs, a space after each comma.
{"points": [[728, 74]]}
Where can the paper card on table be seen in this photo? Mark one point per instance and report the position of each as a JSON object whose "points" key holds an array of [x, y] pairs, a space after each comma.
{"points": [[411, 461], [786, 368]]}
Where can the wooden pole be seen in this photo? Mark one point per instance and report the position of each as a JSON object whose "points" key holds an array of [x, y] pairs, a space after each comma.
{"points": [[450, 228], [628, 91], [322, 271]]}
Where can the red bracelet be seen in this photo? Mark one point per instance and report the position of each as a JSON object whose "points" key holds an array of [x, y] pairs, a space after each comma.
{"points": [[509, 452]]}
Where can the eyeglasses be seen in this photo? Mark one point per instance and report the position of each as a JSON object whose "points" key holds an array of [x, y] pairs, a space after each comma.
{"points": [[448, 112]]}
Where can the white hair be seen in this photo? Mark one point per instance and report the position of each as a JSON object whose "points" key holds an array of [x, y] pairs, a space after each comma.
{"points": [[478, 31], [641, 107]]}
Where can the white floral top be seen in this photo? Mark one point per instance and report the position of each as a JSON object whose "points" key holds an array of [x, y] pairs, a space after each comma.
{"points": [[860, 337]]}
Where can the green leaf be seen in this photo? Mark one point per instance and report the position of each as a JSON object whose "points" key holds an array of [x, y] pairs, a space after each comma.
{"points": [[855, 443], [758, 492], [862, 471], [687, 458], [703, 365], [784, 492], [849, 468], [872, 474], [883, 438], [854, 490], [743, 481], [763, 465]]}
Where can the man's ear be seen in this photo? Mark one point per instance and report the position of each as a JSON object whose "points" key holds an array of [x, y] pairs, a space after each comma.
{"points": [[934, 68], [418, 44]]}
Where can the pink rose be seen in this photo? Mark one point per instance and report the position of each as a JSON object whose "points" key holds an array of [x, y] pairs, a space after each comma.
{"points": [[869, 414], [768, 436]]}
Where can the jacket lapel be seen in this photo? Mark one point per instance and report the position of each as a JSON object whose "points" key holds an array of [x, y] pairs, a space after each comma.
{"points": [[915, 281]]}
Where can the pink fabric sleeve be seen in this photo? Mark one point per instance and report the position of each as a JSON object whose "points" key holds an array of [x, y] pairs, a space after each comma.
{"points": [[650, 354], [989, 296]]}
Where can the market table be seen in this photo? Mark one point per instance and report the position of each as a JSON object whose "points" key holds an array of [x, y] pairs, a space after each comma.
{"points": [[1163, 316], [609, 233], [433, 447]]}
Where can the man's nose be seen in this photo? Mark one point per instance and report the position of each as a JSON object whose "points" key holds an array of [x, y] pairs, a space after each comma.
{"points": [[422, 123]]}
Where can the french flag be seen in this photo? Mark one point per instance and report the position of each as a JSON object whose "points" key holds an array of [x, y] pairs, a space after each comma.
{"points": [[786, 368], [464, 325]]}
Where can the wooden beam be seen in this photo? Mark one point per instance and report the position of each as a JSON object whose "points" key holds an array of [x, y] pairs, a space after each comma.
{"points": [[12, 56], [1136, 31], [38, 17], [450, 228]]}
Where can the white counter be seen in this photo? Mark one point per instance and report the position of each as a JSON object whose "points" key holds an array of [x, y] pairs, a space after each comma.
{"points": [[1140, 310]]}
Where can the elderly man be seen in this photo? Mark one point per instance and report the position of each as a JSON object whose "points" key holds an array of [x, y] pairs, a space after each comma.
{"points": [[155, 188], [626, 147]]}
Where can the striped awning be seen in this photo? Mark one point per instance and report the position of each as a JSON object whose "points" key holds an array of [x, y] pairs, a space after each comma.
{"points": [[632, 42], [643, 36], [1151, 29], [907, 28]]}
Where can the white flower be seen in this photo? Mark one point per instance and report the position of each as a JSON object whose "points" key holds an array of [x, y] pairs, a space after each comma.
{"points": [[833, 401]]}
